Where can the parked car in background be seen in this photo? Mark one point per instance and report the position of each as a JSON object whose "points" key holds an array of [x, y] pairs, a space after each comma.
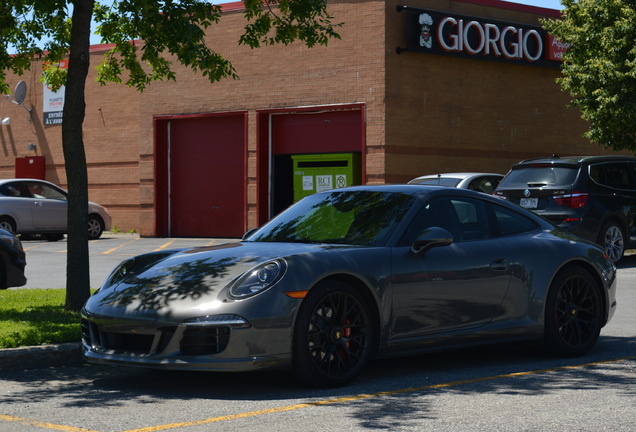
{"points": [[480, 182], [31, 206], [354, 273], [12, 261], [593, 197]]}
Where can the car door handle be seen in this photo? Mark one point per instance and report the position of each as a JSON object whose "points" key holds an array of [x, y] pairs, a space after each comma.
{"points": [[499, 265], [38, 203]]}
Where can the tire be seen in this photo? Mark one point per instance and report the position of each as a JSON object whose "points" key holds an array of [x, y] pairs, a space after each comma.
{"points": [[8, 224], [95, 227], [612, 239], [333, 335], [574, 313]]}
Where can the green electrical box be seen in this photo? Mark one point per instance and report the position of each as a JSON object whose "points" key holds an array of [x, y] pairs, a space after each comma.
{"points": [[319, 172]]}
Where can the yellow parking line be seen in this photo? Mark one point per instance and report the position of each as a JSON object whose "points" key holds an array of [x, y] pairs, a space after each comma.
{"points": [[42, 425], [324, 402], [119, 247], [164, 246], [366, 396]]}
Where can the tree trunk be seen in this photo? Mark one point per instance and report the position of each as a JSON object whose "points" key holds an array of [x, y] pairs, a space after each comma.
{"points": [[77, 266]]}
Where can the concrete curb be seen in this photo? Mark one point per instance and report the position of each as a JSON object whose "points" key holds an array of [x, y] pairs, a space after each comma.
{"points": [[36, 357]]}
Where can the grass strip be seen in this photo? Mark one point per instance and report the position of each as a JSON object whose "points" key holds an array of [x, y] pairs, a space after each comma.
{"points": [[30, 317]]}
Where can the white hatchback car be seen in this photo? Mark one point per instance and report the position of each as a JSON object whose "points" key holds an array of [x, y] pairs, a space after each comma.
{"points": [[480, 182], [32, 206]]}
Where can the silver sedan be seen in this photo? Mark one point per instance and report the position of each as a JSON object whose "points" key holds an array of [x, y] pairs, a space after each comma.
{"points": [[32, 206]]}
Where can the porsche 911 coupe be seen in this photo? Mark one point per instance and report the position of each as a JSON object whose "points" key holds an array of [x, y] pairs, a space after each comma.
{"points": [[351, 274]]}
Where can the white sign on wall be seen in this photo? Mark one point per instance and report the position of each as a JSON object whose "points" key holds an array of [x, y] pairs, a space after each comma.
{"points": [[53, 102], [323, 182]]}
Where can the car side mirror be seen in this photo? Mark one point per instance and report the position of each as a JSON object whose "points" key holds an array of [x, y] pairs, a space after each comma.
{"points": [[430, 238], [249, 233]]}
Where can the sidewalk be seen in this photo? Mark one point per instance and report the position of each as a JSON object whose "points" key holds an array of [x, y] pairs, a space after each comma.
{"points": [[69, 354]]}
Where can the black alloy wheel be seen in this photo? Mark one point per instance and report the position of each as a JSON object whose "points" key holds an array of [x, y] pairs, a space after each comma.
{"points": [[333, 336], [573, 318]]}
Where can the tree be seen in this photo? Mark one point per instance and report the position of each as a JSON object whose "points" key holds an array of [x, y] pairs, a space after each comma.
{"points": [[599, 68], [147, 36]]}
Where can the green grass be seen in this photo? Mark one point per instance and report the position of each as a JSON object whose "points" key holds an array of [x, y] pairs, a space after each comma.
{"points": [[36, 317]]}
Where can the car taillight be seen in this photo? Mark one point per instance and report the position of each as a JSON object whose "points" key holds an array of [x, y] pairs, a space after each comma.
{"points": [[574, 200]]}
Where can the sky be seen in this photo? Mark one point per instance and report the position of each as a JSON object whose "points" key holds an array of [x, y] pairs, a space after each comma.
{"points": [[550, 4]]}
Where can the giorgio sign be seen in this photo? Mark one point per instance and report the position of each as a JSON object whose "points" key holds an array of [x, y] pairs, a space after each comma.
{"points": [[434, 32]]}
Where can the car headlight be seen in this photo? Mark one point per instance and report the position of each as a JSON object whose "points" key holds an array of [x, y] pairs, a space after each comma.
{"points": [[258, 279]]}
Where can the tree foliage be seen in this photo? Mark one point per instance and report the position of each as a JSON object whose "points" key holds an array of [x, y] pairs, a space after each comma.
{"points": [[148, 37], [599, 68]]}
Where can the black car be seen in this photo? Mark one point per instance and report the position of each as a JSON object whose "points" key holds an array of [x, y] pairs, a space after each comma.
{"points": [[12, 261], [593, 197], [346, 275]]}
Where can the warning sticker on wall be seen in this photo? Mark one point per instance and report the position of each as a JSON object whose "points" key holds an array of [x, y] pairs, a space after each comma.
{"points": [[341, 180], [308, 183]]}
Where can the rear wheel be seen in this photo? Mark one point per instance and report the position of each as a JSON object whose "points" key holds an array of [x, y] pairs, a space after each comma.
{"points": [[6, 223], [573, 317], [612, 240], [333, 336], [95, 227]]}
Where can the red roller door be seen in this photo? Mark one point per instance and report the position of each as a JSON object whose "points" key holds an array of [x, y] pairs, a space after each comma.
{"points": [[206, 181]]}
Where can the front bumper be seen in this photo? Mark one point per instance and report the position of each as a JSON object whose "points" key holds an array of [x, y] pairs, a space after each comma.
{"points": [[224, 345]]}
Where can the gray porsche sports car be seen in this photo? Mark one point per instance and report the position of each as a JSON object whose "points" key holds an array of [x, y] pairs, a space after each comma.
{"points": [[350, 274]]}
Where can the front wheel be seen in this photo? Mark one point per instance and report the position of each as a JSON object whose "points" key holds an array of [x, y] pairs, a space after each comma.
{"points": [[333, 336], [573, 314], [612, 240]]}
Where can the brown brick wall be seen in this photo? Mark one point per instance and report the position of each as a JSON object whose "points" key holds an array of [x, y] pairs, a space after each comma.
{"points": [[111, 132], [448, 114], [350, 70], [424, 113]]}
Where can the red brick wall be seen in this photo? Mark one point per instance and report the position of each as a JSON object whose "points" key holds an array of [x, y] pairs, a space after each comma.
{"points": [[424, 113], [448, 114], [111, 134], [350, 70]]}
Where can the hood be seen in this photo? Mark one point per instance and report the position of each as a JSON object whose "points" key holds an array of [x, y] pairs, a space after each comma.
{"points": [[157, 284]]}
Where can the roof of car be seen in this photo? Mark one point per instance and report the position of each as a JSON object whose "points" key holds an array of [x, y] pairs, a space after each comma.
{"points": [[457, 175], [454, 175], [579, 159]]}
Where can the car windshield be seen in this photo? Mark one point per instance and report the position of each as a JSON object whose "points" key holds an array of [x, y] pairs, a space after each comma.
{"points": [[356, 217], [441, 181], [549, 175]]}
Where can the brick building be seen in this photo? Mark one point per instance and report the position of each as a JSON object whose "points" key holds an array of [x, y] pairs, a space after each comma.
{"points": [[188, 158]]}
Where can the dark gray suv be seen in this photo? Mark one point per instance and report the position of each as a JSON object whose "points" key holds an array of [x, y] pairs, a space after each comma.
{"points": [[593, 197]]}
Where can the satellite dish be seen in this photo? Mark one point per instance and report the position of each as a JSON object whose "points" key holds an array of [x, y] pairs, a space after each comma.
{"points": [[20, 92]]}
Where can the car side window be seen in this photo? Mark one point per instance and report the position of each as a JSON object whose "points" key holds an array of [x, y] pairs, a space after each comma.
{"points": [[486, 185], [614, 175], [631, 170], [14, 189], [44, 191], [466, 219], [508, 222]]}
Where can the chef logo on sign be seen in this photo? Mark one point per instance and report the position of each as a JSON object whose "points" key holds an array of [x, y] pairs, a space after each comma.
{"points": [[426, 23]]}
